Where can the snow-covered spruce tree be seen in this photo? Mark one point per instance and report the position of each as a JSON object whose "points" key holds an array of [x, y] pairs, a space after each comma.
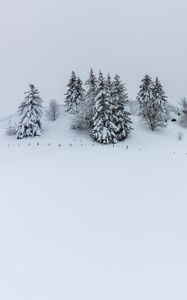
{"points": [[121, 117], [30, 113], [145, 95], [109, 85], [160, 113], [80, 92], [83, 119], [91, 91], [104, 130], [152, 103], [52, 112], [74, 94], [70, 100], [183, 112]]}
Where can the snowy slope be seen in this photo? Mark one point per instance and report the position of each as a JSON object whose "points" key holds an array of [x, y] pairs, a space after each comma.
{"points": [[60, 132], [93, 222], [53, 132]]}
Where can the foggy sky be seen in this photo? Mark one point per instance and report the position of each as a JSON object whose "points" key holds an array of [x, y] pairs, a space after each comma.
{"points": [[41, 41]]}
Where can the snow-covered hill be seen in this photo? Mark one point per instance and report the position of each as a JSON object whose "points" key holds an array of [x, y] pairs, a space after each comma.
{"points": [[60, 132], [93, 222]]}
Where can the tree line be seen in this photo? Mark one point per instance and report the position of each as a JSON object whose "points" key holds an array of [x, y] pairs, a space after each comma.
{"points": [[98, 106]]}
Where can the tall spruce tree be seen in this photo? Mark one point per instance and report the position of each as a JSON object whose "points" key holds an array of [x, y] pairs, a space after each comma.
{"points": [[109, 85], [104, 130], [30, 113], [145, 95], [91, 87], [160, 105], [74, 95], [89, 100], [152, 103], [80, 92], [121, 117]]}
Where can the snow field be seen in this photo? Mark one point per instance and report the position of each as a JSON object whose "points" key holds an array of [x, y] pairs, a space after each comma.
{"points": [[84, 223], [93, 222]]}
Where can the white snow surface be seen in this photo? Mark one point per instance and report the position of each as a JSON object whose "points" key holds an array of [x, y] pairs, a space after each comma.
{"points": [[93, 222]]}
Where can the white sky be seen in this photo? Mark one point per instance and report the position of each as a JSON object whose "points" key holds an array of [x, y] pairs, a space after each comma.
{"points": [[41, 41]]}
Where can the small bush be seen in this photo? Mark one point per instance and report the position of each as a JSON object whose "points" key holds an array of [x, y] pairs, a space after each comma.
{"points": [[180, 135], [183, 113], [11, 129]]}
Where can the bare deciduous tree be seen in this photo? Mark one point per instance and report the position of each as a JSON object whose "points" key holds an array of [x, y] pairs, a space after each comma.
{"points": [[52, 112]]}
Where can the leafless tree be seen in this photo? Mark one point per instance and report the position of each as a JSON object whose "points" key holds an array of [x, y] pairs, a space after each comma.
{"points": [[52, 112]]}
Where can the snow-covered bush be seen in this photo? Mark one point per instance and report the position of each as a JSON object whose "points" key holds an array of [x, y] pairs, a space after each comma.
{"points": [[30, 113], [52, 112], [183, 113], [81, 120], [11, 128], [85, 111], [180, 135]]}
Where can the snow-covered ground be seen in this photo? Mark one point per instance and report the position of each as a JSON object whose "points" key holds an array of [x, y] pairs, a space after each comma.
{"points": [[93, 222]]}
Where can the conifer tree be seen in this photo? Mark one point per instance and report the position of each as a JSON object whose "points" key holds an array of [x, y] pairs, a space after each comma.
{"points": [[109, 85], [104, 130], [74, 95], [80, 92], [121, 117], [84, 117], [70, 100], [91, 85], [159, 105], [145, 95], [152, 102], [30, 113]]}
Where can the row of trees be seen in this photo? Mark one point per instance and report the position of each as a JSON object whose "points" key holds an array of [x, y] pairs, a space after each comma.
{"points": [[99, 106]]}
